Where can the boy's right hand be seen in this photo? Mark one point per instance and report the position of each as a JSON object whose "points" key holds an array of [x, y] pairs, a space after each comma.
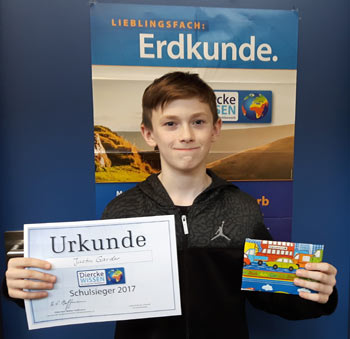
{"points": [[18, 278]]}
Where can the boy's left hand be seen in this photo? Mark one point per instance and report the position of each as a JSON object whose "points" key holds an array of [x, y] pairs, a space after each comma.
{"points": [[323, 275]]}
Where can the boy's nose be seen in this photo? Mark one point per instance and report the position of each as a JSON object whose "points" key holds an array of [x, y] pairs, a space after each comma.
{"points": [[186, 134]]}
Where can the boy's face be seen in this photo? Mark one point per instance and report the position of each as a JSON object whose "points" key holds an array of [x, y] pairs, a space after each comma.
{"points": [[183, 131]]}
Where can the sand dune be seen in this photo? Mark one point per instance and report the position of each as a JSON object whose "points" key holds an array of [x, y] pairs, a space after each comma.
{"points": [[272, 161], [240, 156]]}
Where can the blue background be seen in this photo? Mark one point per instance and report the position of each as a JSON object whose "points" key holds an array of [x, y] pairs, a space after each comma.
{"points": [[46, 139]]}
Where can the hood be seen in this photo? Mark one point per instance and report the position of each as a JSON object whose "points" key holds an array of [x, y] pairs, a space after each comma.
{"points": [[155, 190]]}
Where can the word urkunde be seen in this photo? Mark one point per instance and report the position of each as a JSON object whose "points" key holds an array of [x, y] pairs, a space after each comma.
{"points": [[62, 244]]}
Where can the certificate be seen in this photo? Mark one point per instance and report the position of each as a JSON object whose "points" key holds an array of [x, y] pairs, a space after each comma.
{"points": [[106, 270]]}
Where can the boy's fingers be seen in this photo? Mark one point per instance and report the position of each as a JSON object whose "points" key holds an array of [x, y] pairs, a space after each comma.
{"points": [[29, 274], [326, 277], [20, 294], [29, 284], [28, 262], [317, 297], [323, 280], [315, 286], [318, 276], [19, 278], [322, 267]]}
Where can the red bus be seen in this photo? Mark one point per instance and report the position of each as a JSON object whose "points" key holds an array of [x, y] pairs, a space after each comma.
{"points": [[272, 250]]}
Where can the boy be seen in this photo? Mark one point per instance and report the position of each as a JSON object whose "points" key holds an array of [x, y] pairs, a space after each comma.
{"points": [[213, 218]]}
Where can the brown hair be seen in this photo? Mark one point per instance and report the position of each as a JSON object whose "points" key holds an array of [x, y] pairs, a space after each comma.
{"points": [[174, 86]]}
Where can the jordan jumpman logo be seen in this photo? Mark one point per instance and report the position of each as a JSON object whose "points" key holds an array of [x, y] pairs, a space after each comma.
{"points": [[220, 233]]}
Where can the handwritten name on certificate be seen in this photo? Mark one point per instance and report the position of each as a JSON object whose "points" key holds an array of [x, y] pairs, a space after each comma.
{"points": [[106, 270]]}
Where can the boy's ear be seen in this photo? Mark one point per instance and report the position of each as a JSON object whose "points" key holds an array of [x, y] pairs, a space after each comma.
{"points": [[216, 130], [148, 136]]}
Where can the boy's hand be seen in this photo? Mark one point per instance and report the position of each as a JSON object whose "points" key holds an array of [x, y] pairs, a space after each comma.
{"points": [[19, 278], [323, 275]]}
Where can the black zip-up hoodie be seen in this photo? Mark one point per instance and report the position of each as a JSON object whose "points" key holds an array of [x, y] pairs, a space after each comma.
{"points": [[210, 260]]}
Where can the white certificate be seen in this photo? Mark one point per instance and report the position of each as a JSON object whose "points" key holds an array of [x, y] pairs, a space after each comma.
{"points": [[106, 270]]}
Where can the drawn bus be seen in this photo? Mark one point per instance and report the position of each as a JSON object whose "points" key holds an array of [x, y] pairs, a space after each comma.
{"points": [[269, 250]]}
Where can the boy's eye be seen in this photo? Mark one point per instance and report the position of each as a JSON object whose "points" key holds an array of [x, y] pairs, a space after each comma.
{"points": [[170, 123], [198, 122]]}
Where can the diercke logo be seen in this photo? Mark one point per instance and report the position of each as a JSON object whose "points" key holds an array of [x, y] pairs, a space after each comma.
{"points": [[227, 105], [108, 276]]}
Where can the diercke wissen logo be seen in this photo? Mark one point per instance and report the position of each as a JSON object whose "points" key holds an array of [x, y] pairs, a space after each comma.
{"points": [[244, 106], [109, 276]]}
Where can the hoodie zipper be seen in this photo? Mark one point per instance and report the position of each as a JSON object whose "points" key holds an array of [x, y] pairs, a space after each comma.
{"points": [[186, 232], [184, 224]]}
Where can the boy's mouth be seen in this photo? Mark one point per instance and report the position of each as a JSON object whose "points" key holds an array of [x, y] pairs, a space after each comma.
{"points": [[186, 148]]}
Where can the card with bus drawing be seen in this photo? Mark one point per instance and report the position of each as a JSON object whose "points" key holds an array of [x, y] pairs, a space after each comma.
{"points": [[270, 266]]}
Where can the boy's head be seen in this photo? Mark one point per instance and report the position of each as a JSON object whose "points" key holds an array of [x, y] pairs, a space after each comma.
{"points": [[174, 86]]}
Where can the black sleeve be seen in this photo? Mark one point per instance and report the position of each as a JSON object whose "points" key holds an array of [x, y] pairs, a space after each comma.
{"points": [[4, 290]]}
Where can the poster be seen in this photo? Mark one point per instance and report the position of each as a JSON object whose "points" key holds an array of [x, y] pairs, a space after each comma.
{"points": [[249, 58]]}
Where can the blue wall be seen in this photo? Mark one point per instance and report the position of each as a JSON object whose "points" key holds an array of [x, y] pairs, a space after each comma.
{"points": [[46, 140]]}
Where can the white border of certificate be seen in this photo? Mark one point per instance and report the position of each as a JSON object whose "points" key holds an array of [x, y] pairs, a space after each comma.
{"points": [[158, 254]]}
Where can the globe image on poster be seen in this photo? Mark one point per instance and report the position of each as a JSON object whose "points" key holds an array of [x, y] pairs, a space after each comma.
{"points": [[255, 106]]}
